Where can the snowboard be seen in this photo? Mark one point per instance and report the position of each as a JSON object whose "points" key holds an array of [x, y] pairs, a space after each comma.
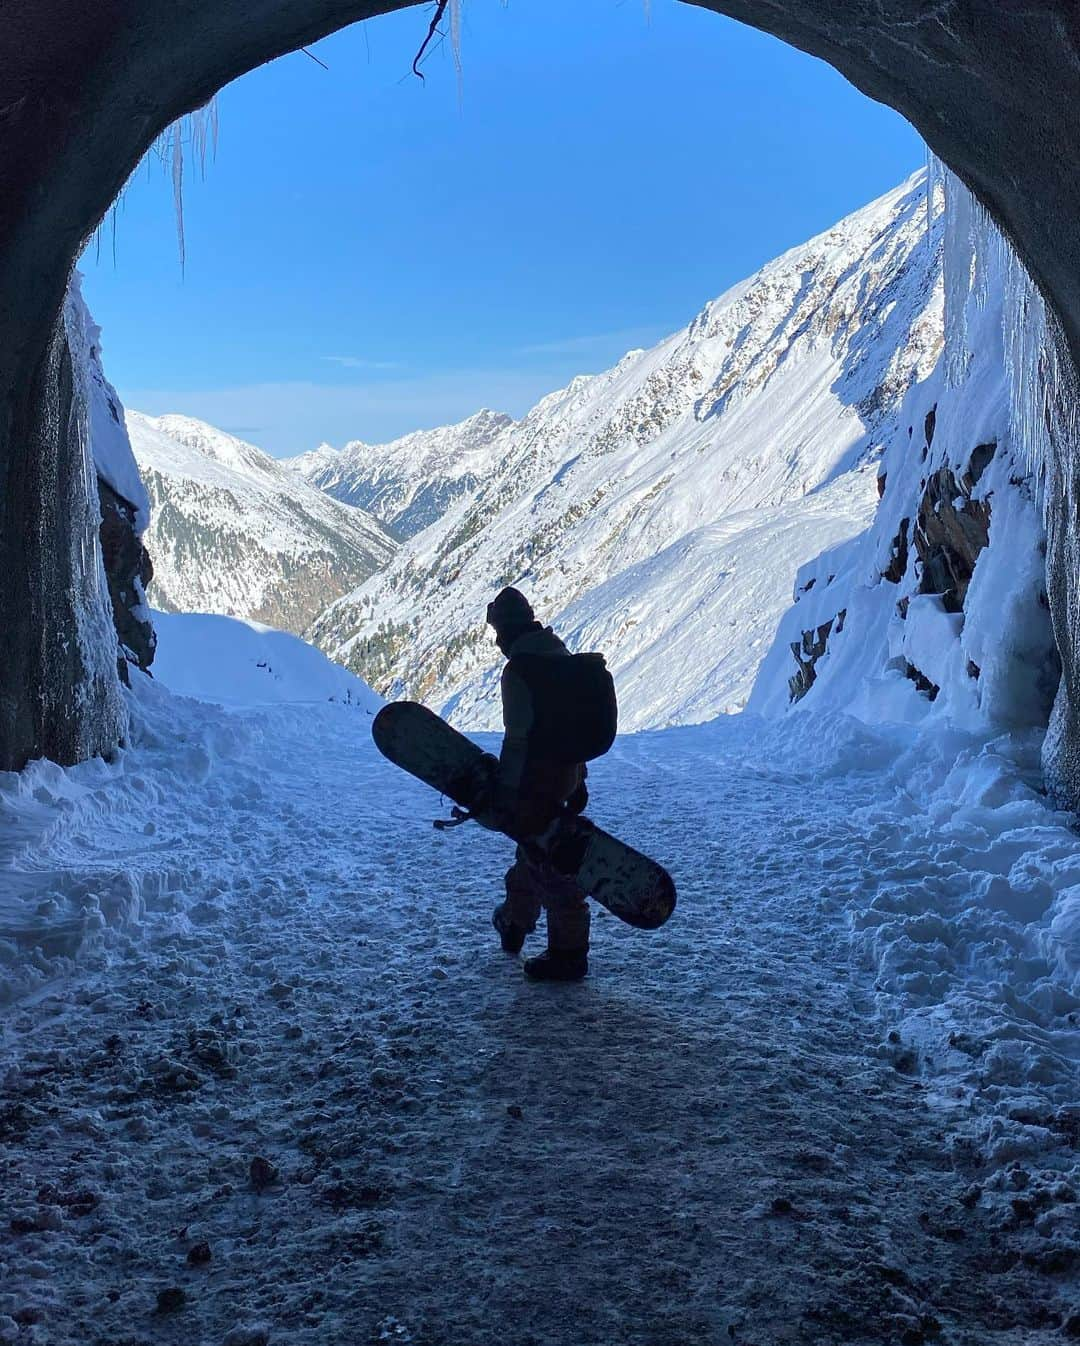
{"points": [[629, 884]]}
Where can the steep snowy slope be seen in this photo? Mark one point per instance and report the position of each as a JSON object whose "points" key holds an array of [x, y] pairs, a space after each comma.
{"points": [[410, 483], [659, 511], [245, 663], [234, 532]]}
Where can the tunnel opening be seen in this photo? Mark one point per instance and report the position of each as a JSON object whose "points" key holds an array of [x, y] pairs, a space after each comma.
{"points": [[560, 227], [271, 1076]]}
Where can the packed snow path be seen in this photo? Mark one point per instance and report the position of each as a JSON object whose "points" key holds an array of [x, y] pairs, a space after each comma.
{"points": [[308, 1100]]}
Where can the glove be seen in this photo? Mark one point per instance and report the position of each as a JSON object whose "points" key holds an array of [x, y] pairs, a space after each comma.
{"points": [[482, 792], [578, 801]]}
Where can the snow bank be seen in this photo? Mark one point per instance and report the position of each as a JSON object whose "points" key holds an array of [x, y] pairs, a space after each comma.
{"points": [[960, 887], [932, 629], [90, 854], [973, 925], [83, 862], [243, 663]]}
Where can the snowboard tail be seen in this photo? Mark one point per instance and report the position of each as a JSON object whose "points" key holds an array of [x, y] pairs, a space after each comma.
{"points": [[630, 885]]}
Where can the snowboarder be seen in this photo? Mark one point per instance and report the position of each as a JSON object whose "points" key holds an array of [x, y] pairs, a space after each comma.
{"points": [[536, 780]]}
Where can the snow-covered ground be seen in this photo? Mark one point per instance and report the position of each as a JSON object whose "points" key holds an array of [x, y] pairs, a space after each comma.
{"points": [[267, 1076], [246, 663]]}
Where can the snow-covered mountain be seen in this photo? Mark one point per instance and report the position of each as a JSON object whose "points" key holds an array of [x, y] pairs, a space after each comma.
{"points": [[411, 482], [660, 511], [234, 532]]}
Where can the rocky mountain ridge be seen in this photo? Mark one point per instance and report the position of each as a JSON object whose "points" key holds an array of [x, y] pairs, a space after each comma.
{"points": [[675, 494], [411, 482], [234, 532]]}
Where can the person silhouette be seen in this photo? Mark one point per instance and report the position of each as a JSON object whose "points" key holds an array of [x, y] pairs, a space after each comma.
{"points": [[531, 788]]}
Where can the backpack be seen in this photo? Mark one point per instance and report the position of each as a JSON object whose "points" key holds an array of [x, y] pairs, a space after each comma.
{"points": [[574, 707]]}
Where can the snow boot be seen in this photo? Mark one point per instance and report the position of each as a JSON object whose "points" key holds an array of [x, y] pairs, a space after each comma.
{"points": [[558, 965], [511, 936]]}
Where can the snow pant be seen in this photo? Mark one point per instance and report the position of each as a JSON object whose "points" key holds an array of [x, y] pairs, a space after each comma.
{"points": [[531, 886]]}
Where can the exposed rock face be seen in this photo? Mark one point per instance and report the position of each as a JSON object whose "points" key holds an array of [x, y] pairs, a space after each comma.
{"points": [[950, 532], [808, 651], [59, 695], [1061, 752], [128, 570], [896, 569]]}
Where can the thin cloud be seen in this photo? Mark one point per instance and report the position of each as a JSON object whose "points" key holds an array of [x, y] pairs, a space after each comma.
{"points": [[625, 339], [358, 362], [296, 415]]}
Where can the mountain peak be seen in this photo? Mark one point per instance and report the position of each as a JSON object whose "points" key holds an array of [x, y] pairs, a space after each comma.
{"points": [[412, 481]]}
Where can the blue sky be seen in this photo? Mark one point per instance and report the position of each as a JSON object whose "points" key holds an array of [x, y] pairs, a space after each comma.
{"points": [[368, 254]]}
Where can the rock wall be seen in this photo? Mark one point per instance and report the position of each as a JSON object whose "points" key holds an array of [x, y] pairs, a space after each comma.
{"points": [[72, 608], [128, 570], [59, 692]]}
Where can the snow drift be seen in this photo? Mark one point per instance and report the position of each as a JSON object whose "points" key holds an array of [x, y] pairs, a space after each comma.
{"points": [[245, 663], [83, 864]]}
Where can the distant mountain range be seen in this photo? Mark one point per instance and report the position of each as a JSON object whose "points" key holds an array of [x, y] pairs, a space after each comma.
{"points": [[410, 483], [233, 531], [658, 511]]}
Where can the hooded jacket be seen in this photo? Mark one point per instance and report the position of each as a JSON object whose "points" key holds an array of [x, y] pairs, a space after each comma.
{"points": [[529, 782]]}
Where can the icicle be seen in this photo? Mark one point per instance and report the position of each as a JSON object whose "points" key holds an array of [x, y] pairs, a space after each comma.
{"points": [[455, 33], [958, 260], [933, 177], [981, 268], [204, 129], [1032, 369], [455, 46], [979, 264], [201, 130], [178, 185]]}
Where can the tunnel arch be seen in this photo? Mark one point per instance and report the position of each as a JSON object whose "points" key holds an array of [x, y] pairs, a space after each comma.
{"points": [[991, 88]]}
